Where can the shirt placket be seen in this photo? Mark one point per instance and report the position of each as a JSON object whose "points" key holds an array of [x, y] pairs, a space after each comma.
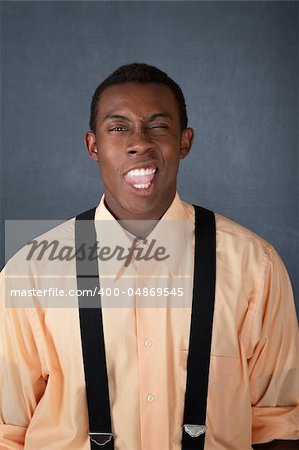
{"points": [[151, 347]]}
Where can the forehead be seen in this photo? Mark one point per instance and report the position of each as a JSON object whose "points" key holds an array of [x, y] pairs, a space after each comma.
{"points": [[137, 99]]}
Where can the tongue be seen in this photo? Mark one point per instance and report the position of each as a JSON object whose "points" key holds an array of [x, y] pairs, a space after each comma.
{"points": [[141, 179]]}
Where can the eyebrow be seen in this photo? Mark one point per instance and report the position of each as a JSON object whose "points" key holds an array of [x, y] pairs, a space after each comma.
{"points": [[116, 116], [159, 116], [149, 119]]}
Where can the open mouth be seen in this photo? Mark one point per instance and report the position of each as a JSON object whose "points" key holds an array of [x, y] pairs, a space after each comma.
{"points": [[141, 178]]}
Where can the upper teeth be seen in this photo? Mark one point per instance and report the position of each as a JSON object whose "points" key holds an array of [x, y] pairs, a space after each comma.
{"points": [[141, 172]]}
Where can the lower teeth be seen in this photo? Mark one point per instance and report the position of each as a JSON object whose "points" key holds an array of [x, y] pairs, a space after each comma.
{"points": [[142, 186]]}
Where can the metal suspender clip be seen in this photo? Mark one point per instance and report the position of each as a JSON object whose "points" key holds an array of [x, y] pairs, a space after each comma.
{"points": [[101, 438], [194, 430]]}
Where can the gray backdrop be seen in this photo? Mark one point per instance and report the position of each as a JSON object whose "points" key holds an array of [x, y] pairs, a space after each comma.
{"points": [[237, 63]]}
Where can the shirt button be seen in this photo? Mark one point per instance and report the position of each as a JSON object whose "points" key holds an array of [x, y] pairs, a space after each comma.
{"points": [[148, 342], [151, 398]]}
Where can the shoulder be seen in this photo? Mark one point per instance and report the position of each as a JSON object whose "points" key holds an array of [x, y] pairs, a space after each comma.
{"points": [[230, 230], [45, 261], [234, 232], [56, 237], [239, 247]]}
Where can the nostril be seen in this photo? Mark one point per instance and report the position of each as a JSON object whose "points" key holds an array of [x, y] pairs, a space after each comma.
{"points": [[132, 152]]}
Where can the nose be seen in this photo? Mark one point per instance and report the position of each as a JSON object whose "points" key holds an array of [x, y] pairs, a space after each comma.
{"points": [[139, 143]]}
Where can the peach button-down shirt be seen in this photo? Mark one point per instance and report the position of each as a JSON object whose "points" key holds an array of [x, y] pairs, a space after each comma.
{"points": [[253, 392]]}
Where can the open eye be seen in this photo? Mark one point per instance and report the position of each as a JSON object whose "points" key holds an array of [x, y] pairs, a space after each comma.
{"points": [[118, 129]]}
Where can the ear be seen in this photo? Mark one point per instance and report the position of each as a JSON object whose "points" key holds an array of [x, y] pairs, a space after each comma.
{"points": [[91, 145], [186, 142]]}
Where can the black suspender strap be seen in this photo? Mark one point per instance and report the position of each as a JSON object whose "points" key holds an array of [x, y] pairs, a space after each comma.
{"points": [[92, 337], [194, 422]]}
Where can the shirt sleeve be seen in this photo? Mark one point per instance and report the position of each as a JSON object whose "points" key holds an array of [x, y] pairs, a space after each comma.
{"points": [[21, 381], [273, 364]]}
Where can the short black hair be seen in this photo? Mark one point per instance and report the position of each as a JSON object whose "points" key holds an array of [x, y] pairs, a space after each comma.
{"points": [[138, 73]]}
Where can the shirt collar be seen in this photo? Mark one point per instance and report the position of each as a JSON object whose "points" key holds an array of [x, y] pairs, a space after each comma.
{"points": [[176, 211], [174, 232]]}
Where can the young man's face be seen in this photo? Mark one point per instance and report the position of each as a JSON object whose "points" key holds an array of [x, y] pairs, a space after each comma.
{"points": [[138, 145]]}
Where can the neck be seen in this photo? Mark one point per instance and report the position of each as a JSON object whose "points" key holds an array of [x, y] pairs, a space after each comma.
{"points": [[138, 223]]}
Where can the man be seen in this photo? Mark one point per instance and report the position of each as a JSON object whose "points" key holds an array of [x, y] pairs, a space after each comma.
{"points": [[138, 134]]}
